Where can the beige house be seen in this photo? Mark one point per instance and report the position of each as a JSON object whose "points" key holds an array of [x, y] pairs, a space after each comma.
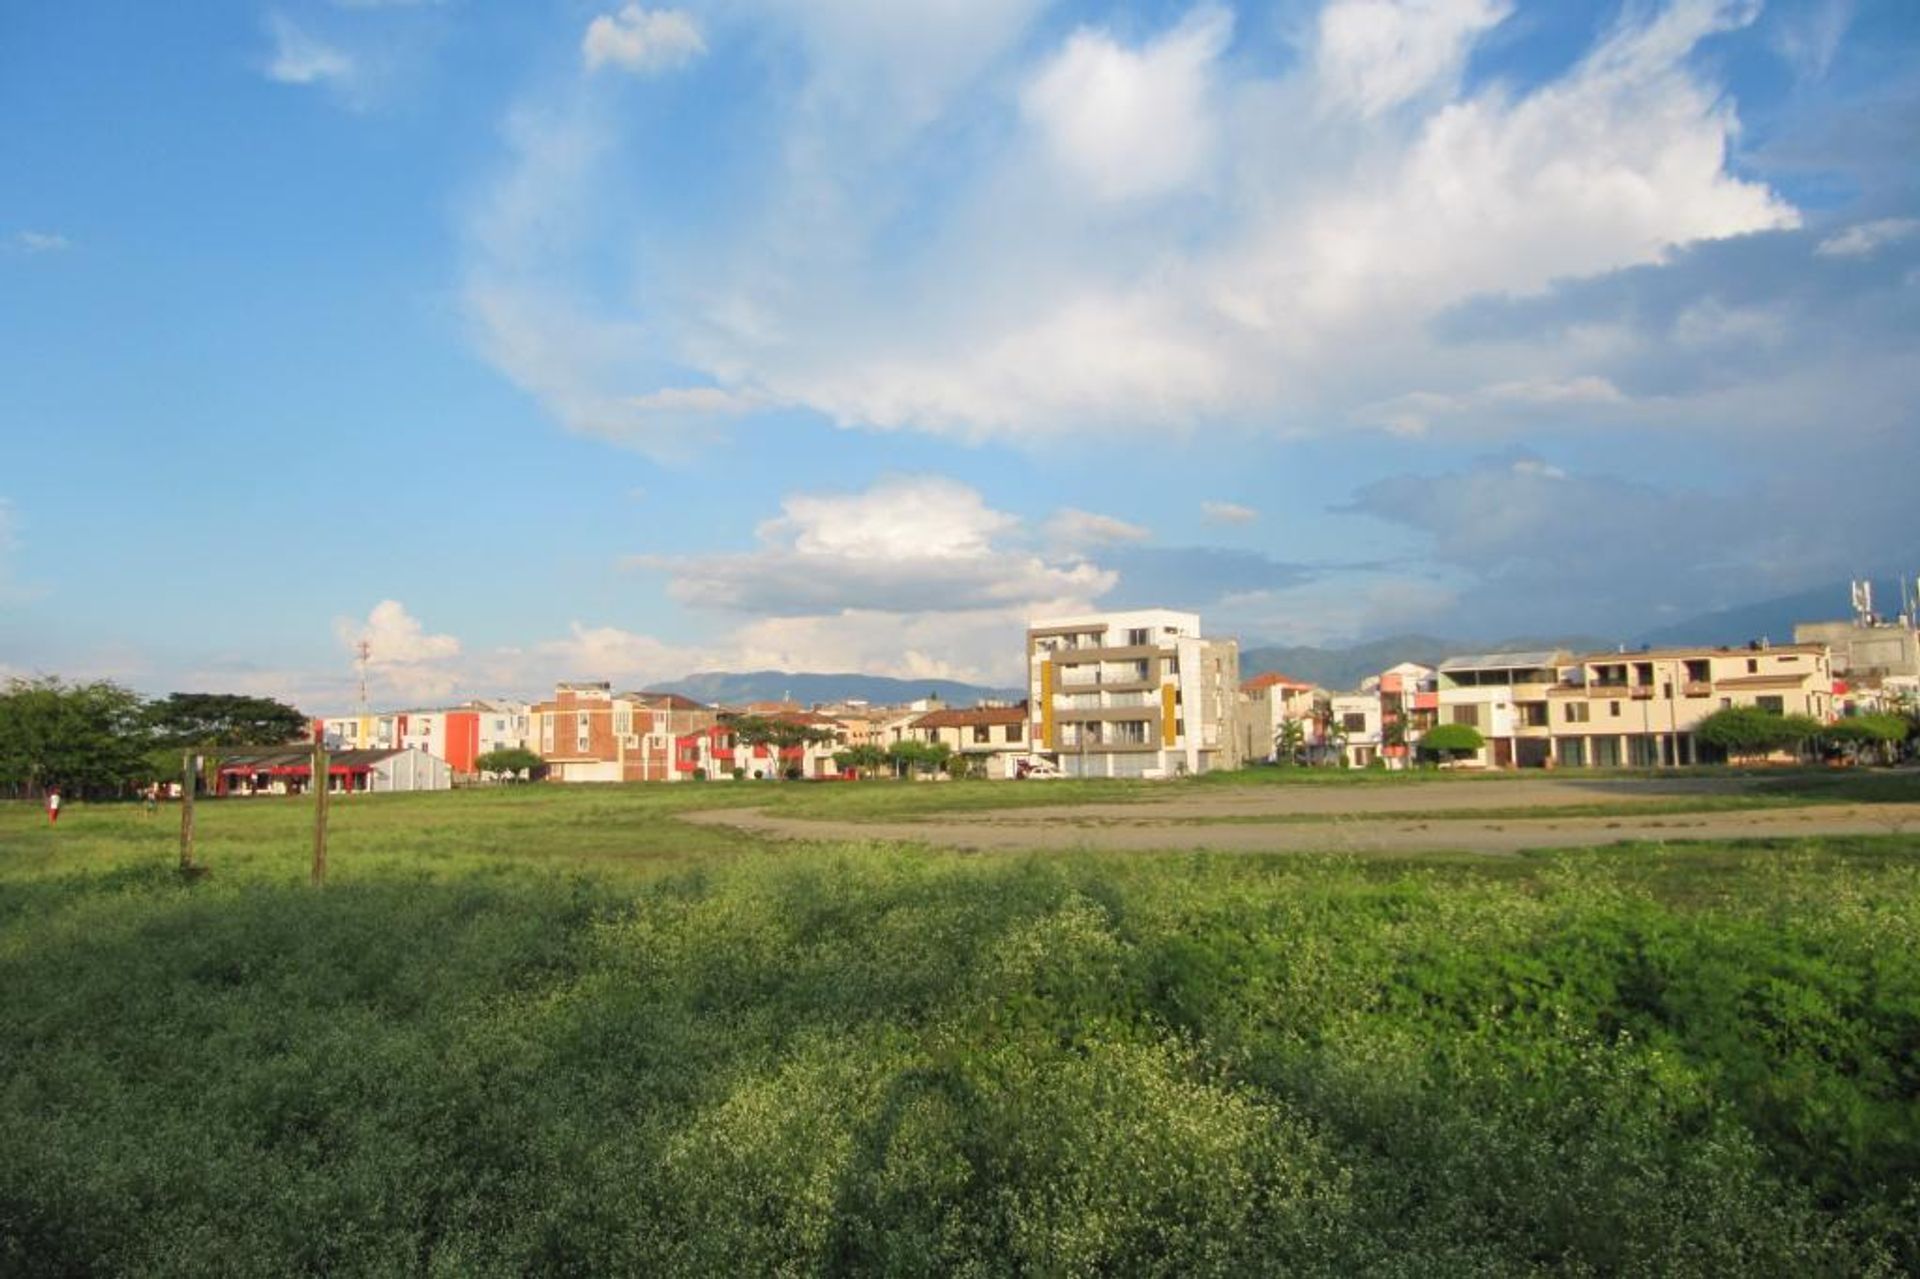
{"points": [[1623, 710], [1641, 709], [1270, 701], [992, 738], [1135, 694]]}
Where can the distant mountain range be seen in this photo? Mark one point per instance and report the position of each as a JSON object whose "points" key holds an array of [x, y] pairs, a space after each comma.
{"points": [[806, 688], [1774, 619], [1771, 619], [1344, 668]]}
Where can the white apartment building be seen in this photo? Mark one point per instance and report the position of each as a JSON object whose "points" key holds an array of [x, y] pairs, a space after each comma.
{"points": [[1504, 696], [1135, 694], [1355, 727]]}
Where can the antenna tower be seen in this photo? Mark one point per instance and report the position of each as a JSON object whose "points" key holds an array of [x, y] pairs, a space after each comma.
{"points": [[362, 653]]}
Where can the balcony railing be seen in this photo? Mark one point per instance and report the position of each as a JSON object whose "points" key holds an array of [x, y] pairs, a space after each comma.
{"points": [[1697, 688], [1642, 692]]}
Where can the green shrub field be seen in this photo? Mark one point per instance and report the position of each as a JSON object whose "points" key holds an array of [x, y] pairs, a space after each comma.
{"points": [[559, 1032]]}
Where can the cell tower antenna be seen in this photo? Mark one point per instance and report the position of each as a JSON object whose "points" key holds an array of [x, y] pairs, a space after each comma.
{"points": [[1863, 602], [362, 653]]}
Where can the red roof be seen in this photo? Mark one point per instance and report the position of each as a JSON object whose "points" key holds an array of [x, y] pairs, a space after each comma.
{"points": [[1272, 679]]}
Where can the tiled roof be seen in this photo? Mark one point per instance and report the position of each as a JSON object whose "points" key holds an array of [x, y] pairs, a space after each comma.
{"points": [[1272, 679], [974, 718]]}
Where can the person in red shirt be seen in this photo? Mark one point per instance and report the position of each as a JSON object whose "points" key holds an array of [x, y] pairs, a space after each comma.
{"points": [[53, 806]]}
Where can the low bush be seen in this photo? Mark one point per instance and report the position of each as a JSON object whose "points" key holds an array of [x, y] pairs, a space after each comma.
{"points": [[1648, 1061]]}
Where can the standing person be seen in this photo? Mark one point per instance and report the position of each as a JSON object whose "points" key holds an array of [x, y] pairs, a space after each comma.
{"points": [[53, 806]]}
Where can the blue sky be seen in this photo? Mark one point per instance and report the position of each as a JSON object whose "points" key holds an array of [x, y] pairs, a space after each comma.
{"points": [[583, 340]]}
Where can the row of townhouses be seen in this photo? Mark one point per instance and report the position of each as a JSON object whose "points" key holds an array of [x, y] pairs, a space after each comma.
{"points": [[1146, 694]]}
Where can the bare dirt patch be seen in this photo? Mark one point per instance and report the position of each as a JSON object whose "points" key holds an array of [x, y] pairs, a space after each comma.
{"points": [[1382, 820]]}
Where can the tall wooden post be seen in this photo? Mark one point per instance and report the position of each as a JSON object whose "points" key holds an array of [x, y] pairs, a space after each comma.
{"points": [[187, 780], [320, 783]]}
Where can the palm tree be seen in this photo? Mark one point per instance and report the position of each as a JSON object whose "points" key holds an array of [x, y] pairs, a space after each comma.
{"points": [[1290, 743]]}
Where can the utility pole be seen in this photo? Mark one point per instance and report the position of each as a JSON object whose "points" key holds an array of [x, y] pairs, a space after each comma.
{"points": [[186, 812], [320, 781]]}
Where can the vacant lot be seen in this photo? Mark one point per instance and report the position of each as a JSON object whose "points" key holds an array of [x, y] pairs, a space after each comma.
{"points": [[568, 1031], [1496, 815]]}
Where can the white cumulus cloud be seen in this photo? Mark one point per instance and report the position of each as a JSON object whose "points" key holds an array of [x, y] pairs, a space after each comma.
{"points": [[639, 39], [403, 658], [1132, 122], [969, 233]]}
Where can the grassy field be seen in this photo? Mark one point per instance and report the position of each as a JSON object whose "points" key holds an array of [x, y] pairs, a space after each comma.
{"points": [[549, 1030]]}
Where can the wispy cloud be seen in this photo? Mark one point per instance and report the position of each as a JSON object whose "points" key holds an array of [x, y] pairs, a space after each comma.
{"points": [[1227, 513], [1074, 528], [301, 58], [41, 241], [1867, 238], [642, 40]]}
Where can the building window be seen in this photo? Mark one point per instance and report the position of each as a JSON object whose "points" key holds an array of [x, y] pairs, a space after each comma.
{"points": [[1468, 715], [1613, 708], [1772, 705], [1017, 732], [1753, 666], [1137, 637], [1354, 723], [1577, 712], [982, 733]]}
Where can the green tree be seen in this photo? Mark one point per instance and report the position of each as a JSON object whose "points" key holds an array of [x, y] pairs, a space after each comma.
{"points": [[1451, 741], [1879, 733], [921, 757], [224, 719], [776, 731], [1746, 731], [90, 740], [862, 759], [511, 760]]}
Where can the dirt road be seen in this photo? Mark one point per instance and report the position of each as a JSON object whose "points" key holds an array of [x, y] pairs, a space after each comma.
{"points": [[1399, 819]]}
